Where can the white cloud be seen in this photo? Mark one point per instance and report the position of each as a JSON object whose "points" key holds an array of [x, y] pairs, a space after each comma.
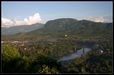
{"points": [[95, 18], [19, 22], [6, 22], [27, 21], [33, 19]]}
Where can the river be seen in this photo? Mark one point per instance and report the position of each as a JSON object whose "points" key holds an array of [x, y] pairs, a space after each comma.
{"points": [[79, 53]]}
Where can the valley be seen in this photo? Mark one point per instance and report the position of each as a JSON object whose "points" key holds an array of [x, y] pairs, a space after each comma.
{"points": [[59, 40]]}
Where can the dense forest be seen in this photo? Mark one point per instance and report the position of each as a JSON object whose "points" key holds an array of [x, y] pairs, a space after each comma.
{"points": [[39, 59]]}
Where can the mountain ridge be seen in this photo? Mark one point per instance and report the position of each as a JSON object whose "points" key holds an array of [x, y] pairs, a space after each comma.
{"points": [[60, 27], [21, 28]]}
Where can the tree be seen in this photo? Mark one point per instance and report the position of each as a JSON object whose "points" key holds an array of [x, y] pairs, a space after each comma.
{"points": [[47, 70], [10, 57], [9, 53], [45, 64]]}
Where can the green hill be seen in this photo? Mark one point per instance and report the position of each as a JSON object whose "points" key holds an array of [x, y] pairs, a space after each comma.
{"points": [[72, 27]]}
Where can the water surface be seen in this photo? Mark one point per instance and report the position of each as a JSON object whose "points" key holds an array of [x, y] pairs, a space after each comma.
{"points": [[79, 53]]}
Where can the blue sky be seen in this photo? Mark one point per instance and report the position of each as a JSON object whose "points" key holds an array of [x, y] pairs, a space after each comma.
{"points": [[53, 10]]}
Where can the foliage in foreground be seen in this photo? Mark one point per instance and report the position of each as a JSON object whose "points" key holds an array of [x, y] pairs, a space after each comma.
{"points": [[25, 64], [92, 62]]}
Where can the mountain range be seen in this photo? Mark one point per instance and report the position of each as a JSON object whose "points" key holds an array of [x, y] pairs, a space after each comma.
{"points": [[60, 27], [20, 29]]}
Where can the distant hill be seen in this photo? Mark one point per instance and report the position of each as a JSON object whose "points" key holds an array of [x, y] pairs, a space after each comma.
{"points": [[20, 29], [73, 27], [69, 26]]}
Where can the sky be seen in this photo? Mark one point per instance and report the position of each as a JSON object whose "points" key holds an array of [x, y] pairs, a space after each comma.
{"points": [[20, 12]]}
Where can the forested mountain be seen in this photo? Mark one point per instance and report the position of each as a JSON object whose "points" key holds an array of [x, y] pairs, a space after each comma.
{"points": [[21, 28], [62, 26], [74, 27]]}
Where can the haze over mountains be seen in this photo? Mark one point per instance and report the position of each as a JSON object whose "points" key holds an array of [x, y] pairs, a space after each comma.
{"points": [[20, 29], [61, 26]]}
